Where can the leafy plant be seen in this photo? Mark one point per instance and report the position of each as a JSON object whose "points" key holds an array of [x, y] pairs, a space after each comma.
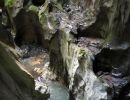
{"points": [[9, 3]]}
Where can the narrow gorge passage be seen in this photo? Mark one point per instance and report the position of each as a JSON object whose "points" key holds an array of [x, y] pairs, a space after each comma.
{"points": [[64, 50]]}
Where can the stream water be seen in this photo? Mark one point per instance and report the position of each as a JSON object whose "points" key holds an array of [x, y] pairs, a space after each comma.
{"points": [[58, 91], [36, 61]]}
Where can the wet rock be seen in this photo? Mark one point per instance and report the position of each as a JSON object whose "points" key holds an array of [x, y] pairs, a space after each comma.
{"points": [[31, 50], [14, 7], [6, 37], [94, 45], [115, 85], [29, 30], [15, 83], [110, 66], [85, 81], [45, 80], [119, 38], [77, 16], [88, 18], [35, 59], [76, 65], [72, 63]]}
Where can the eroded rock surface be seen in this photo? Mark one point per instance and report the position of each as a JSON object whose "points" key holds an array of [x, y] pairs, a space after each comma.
{"points": [[103, 23], [15, 83]]}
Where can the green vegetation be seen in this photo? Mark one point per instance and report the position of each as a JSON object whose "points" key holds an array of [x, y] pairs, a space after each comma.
{"points": [[9, 3]]}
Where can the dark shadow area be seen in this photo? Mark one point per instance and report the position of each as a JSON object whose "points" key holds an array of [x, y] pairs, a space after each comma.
{"points": [[95, 30], [113, 67], [107, 59]]}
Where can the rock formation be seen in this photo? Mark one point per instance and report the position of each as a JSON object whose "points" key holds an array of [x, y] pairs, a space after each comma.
{"points": [[86, 41]]}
